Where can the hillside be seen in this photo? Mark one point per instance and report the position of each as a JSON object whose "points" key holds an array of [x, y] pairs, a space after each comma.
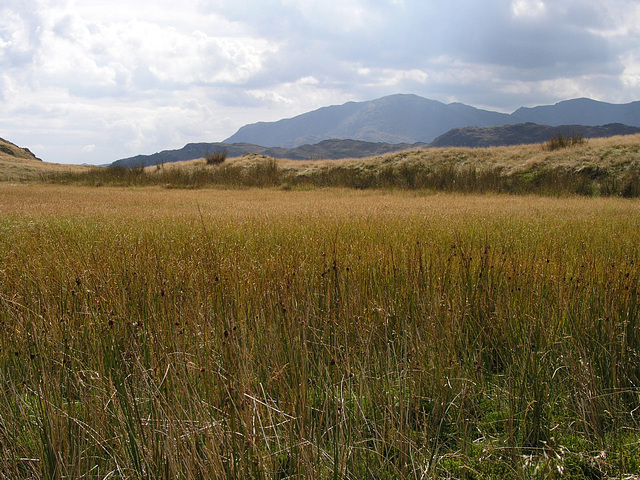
{"points": [[326, 149], [337, 149], [597, 167], [524, 133], [410, 119], [613, 157], [11, 150], [18, 164]]}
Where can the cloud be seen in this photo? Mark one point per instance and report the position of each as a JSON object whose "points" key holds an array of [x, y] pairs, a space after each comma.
{"points": [[17, 38], [130, 78]]}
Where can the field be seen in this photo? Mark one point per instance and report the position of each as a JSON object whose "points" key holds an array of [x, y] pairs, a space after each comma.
{"points": [[156, 333]]}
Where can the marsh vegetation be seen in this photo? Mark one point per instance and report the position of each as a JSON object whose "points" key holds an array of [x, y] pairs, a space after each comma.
{"points": [[561, 167], [152, 333]]}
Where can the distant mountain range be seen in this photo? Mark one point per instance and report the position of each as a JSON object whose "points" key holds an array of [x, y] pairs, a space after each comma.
{"points": [[400, 122], [523, 133], [410, 119], [393, 119]]}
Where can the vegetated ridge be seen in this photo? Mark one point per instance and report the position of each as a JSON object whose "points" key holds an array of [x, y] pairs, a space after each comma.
{"points": [[327, 149], [334, 149], [524, 133], [18, 164], [8, 149], [565, 166]]}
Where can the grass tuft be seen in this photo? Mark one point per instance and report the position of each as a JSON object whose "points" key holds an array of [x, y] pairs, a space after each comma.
{"points": [[215, 158]]}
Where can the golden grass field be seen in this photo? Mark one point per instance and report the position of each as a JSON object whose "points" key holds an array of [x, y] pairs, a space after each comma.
{"points": [[155, 333]]}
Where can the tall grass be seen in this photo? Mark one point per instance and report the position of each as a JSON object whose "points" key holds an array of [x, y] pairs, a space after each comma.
{"points": [[603, 167], [266, 334], [264, 173]]}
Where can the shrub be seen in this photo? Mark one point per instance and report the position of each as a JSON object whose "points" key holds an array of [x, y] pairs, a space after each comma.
{"points": [[559, 141], [216, 158]]}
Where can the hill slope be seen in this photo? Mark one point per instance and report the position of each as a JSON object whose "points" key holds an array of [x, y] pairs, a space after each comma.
{"points": [[523, 133], [410, 118], [601, 166], [326, 149], [334, 149], [10, 150], [19, 164]]}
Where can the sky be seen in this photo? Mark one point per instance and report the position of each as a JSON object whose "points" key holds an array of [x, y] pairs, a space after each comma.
{"points": [[93, 81]]}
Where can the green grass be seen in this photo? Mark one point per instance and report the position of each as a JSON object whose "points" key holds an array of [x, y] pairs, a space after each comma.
{"points": [[152, 333]]}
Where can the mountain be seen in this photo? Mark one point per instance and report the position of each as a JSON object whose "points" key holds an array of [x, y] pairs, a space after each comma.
{"points": [[326, 149], [580, 111], [393, 119], [409, 118], [398, 122], [524, 133]]}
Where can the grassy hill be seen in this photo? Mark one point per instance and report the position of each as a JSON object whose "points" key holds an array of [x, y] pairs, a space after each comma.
{"points": [[597, 167], [19, 164]]}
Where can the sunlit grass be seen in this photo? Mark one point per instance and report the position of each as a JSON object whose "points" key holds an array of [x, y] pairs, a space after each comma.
{"points": [[598, 167], [153, 333]]}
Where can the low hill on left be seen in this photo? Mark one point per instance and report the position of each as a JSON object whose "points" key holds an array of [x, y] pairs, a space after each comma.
{"points": [[20, 164]]}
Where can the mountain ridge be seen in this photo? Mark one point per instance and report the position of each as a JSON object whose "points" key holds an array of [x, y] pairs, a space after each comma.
{"points": [[392, 123], [409, 118], [524, 133], [398, 118]]}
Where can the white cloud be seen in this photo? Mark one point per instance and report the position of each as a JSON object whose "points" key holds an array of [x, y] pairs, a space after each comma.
{"points": [[130, 78], [528, 8], [392, 77], [16, 45]]}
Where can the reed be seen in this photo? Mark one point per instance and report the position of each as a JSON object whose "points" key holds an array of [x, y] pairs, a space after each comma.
{"points": [[153, 333], [600, 167]]}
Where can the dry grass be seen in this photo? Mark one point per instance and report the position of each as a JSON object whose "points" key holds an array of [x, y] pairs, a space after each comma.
{"points": [[614, 157], [599, 167], [613, 152], [151, 333], [618, 153], [16, 165], [157, 203]]}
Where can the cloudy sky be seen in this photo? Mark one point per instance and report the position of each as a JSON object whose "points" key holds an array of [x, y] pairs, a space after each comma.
{"points": [[92, 81]]}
